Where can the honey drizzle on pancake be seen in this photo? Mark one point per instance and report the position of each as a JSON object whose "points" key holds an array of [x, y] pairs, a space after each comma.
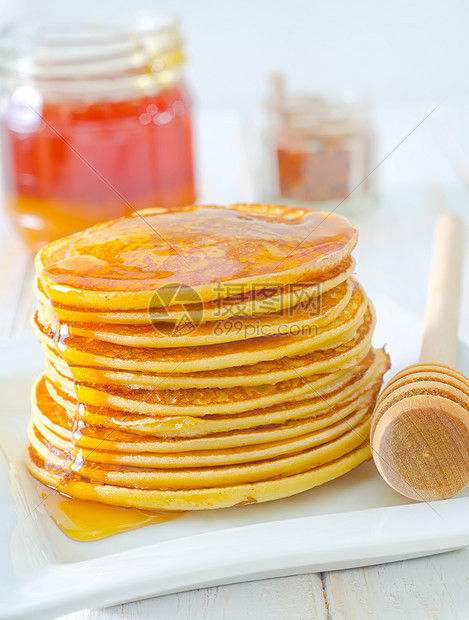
{"points": [[126, 255], [86, 520]]}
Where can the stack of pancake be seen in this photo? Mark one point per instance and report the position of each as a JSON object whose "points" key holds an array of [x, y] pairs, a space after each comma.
{"points": [[203, 358]]}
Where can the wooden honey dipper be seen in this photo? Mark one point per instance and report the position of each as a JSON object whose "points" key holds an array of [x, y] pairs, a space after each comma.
{"points": [[420, 425]]}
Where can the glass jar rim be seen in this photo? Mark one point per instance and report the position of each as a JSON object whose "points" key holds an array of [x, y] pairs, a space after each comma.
{"points": [[64, 55]]}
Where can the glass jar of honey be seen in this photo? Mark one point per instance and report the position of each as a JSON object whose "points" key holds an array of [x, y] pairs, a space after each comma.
{"points": [[319, 150], [95, 122]]}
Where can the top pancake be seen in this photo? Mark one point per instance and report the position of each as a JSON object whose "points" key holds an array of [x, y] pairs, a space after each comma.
{"points": [[198, 252]]}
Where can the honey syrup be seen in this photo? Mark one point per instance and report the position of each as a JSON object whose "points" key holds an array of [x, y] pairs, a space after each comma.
{"points": [[120, 264], [86, 520]]}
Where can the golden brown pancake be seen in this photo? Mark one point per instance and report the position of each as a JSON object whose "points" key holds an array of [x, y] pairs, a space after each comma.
{"points": [[120, 264], [299, 319], [315, 362], [98, 444], [206, 498], [177, 426], [82, 351], [305, 452], [251, 302], [196, 402]]}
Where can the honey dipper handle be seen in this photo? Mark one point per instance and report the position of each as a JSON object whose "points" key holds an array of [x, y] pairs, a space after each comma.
{"points": [[440, 335]]}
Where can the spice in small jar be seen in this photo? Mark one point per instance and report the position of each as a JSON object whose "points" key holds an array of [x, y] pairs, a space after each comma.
{"points": [[320, 150], [95, 122]]}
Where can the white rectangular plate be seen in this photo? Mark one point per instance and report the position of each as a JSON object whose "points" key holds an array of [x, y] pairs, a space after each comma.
{"points": [[355, 520]]}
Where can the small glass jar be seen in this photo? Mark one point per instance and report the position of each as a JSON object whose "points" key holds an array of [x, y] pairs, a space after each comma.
{"points": [[95, 122], [320, 151]]}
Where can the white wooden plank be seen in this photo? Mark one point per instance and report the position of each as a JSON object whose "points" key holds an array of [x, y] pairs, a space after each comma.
{"points": [[287, 598], [429, 588]]}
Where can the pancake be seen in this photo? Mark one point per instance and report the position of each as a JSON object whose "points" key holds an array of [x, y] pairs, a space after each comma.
{"points": [[297, 319], [44, 440], [198, 499], [82, 351], [187, 426], [196, 402], [202, 358], [118, 265], [306, 454], [315, 362], [96, 443], [256, 300]]}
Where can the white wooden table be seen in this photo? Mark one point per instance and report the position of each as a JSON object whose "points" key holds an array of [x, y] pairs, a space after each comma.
{"points": [[416, 183]]}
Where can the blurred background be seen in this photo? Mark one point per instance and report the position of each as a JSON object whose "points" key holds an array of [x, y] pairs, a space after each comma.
{"points": [[385, 99], [400, 53], [393, 51], [404, 56]]}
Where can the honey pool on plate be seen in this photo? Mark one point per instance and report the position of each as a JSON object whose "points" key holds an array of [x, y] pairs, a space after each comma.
{"points": [[199, 359], [86, 521]]}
